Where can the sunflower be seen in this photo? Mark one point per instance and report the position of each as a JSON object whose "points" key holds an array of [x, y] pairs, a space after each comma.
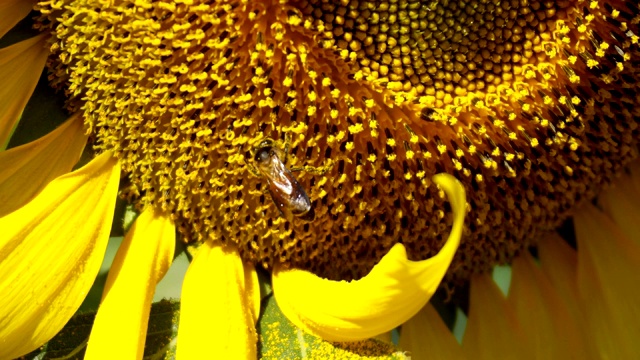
{"points": [[330, 143]]}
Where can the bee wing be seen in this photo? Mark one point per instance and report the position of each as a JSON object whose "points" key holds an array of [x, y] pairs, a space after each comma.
{"points": [[288, 194]]}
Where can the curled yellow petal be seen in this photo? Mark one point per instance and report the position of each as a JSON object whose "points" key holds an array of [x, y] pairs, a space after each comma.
{"points": [[20, 68], [12, 11], [50, 252], [142, 260], [217, 312], [394, 290], [26, 169]]}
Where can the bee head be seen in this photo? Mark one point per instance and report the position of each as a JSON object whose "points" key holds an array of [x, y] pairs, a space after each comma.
{"points": [[262, 154], [263, 151]]}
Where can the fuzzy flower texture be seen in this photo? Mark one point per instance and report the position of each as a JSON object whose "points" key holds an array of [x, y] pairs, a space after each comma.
{"points": [[365, 153]]}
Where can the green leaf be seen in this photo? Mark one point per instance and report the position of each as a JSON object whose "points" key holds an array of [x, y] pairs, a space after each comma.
{"points": [[264, 279], [71, 342], [280, 339]]}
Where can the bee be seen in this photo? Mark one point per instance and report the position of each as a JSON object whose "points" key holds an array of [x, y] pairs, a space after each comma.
{"points": [[286, 192]]}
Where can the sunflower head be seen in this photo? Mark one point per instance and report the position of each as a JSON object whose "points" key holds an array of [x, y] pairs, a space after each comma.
{"points": [[532, 105]]}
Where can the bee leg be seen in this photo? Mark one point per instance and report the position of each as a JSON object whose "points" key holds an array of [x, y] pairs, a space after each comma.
{"points": [[287, 145], [318, 170], [315, 170], [253, 170]]}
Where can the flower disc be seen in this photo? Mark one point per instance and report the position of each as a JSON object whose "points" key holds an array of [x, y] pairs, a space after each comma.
{"points": [[532, 105]]}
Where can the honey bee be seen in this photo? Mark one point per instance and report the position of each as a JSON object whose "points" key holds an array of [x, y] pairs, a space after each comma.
{"points": [[286, 192]]}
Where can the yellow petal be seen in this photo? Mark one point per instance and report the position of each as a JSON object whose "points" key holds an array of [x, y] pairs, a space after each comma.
{"points": [[543, 315], [142, 260], [620, 202], [492, 329], [394, 290], [217, 312], [607, 277], [20, 67], [560, 263], [12, 11], [50, 252], [426, 336], [27, 169]]}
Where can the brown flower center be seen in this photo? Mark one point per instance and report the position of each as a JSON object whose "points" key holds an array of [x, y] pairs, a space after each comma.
{"points": [[532, 105]]}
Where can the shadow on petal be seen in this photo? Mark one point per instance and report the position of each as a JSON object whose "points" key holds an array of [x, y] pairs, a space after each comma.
{"points": [[543, 315], [27, 169], [12, 11], [20, 67], [492, 328], [426, 336], [607, 278]]}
